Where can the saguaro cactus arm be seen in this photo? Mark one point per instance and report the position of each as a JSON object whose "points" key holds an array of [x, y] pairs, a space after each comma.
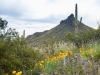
{"points": [[80, 20]]}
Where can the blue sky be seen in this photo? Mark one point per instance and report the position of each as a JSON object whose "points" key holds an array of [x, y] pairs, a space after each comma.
{"points": [[39, 15]]}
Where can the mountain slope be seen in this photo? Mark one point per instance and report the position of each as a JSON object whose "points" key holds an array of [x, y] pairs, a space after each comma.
{"points": [[57, 32]]}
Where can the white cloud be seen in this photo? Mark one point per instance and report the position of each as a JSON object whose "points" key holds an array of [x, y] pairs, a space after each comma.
{"points": [[29, 27]]}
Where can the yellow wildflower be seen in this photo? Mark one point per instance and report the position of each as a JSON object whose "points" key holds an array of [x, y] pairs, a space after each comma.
{"points": [[41, 65], [70, 52], [42, 61], [19, 73], [14, 72]]}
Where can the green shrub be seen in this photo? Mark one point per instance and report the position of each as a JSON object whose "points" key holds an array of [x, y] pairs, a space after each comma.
{"points": [[16, 55]]}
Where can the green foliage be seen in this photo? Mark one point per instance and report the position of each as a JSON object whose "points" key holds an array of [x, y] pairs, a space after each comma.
{"points": [[15, 54], [69, 36], [84, 37], [51, 67], [96, 53]]}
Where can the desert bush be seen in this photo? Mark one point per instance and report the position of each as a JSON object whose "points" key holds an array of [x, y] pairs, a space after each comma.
{"points": [[16, 55], [83, 38]]}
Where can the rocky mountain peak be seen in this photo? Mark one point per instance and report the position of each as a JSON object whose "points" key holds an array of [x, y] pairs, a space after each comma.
{"points": [[57, 32], [69, 20]]}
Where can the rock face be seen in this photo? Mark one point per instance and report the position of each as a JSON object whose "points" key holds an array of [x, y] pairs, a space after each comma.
{"points": [[69, 20]]}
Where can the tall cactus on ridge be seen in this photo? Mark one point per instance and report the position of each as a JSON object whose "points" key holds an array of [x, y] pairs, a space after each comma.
{"points": [[76, 23], [23, 33]]}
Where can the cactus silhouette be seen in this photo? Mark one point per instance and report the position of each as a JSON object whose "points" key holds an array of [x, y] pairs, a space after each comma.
{"points": [[76, 23]]}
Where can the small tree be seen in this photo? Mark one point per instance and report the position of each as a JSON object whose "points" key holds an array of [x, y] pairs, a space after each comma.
{"points": [[14, 54], [3, 24]]}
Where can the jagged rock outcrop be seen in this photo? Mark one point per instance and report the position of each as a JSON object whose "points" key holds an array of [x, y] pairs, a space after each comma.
{"points": [[69, 20]]}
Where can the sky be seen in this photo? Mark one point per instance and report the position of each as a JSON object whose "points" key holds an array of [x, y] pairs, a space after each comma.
{"points": [[39, 15]]}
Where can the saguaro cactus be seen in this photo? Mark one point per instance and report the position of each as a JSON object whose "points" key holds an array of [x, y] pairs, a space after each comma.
{"points": [[76, 20], [23, 33]]}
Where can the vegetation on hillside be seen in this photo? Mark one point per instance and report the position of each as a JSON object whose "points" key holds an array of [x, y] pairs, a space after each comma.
{"points": [[84, 37], [57, 32]]}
